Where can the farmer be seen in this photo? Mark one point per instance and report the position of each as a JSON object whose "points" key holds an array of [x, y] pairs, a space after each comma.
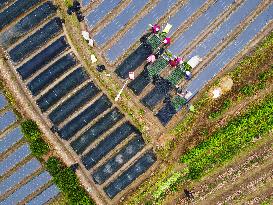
{"points": [[188, 75], [188, 194], [151, 58], [173, 62], [167, 41], [155, 29]]}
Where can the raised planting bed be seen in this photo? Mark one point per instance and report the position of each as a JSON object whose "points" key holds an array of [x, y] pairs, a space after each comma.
{"points": [[166, 113], [140, 82], [154, 41], [157, 67], [176, 75], [160, 91], [164, 86], [133, 61]]}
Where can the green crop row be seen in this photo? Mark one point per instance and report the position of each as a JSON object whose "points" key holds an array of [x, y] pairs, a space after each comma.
{"points": [[157, 67], [154, 41], [33, 135], [169, 184], [176, 75], [228, 141], [262, 55], [263, 77], [178, 102], [67, 182]]}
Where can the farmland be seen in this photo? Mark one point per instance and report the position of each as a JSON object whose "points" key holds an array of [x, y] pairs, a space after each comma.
{"points": [[149, 144]]}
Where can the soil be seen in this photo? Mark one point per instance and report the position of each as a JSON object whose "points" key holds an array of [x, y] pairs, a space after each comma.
{"points": [[250, 169], [204, 124], [152, 126]]}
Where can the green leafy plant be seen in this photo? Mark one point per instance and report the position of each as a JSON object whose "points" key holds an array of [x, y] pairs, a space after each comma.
{"points": [[176, 75], [168, 53], [33, 135], [38, 147], [67, 182], [169, 184], [226, 104], [228, 141], [247, 90], [53, 165], [266, 75], [68, 3], [162, 35], [30, 130], [187, 67], [261, 85], [178, 102], [157, 67], [154, 41]]}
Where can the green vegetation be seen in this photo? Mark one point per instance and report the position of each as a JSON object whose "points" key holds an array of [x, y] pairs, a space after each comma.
{"points": [[169, 184], [63, 177], [154, 41], [251, 70], [68, 3], [30, 130], [39, 147], [226, 105], [33, 135], [263, 77], [144, 193], [247, 90], [267, 201], [221, 147], [10, 99], [54, 166], [168, 53], [67, 182], [157, 66], [228, 141], [176, 75], [187, 67], [178, 102]]}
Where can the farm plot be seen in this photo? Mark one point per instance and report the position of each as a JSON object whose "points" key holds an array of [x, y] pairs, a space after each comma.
{"points": [[135, 33], [109, 148], [216, 65], [101, 11], [23, 178], [199, 25], [77, 110], [198, 28], [119, 22]]}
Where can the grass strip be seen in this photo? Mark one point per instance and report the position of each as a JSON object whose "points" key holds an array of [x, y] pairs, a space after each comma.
{"points": [[33, 135], [66, 180]]}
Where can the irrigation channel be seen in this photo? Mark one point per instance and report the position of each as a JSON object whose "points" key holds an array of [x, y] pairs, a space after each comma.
{"points": [[217, 31], [108, 146], [23, 179]]}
